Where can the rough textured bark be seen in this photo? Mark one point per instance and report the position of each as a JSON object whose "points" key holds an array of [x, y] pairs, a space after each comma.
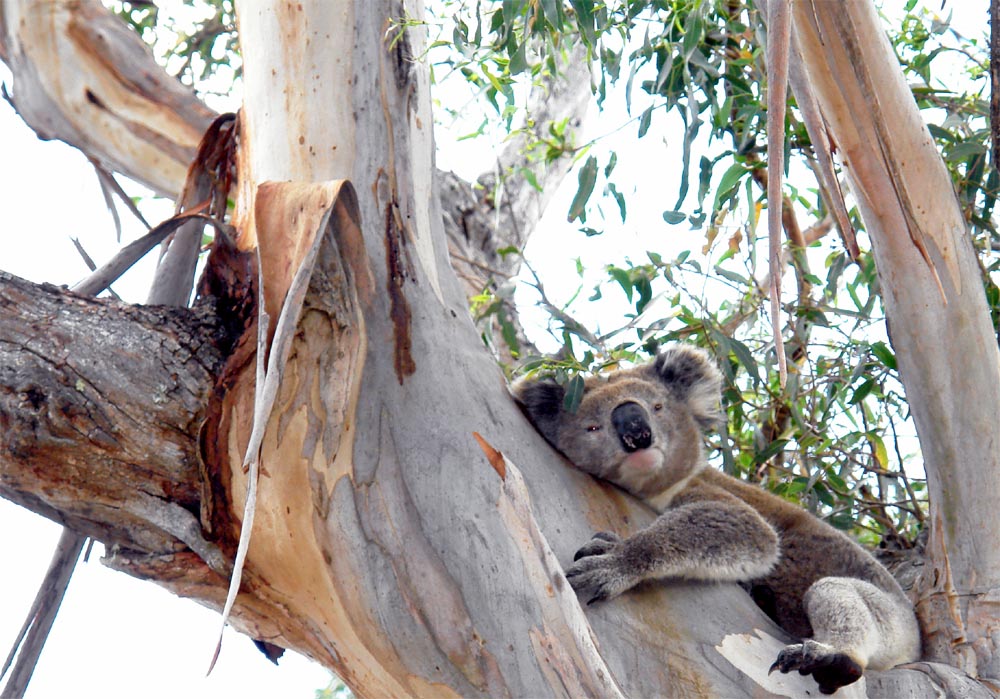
{"points": [[99, 407], [937, 314]]}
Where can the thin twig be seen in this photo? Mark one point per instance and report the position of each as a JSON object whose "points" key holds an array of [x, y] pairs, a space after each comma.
{"points": [[91, 265], [917, 512], [486, 268], [570, 323], [995, 81], [109, 182], [109, 200], [31, 639], [133, 252]]}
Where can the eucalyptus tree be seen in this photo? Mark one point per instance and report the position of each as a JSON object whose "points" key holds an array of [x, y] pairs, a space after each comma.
{"points": [[329, 393]]}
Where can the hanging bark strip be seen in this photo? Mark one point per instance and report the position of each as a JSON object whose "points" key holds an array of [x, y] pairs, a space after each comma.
{"points": [[28, 645], [286, 272], [778, 39], [209, 180], [995, 82], [824, 148]]}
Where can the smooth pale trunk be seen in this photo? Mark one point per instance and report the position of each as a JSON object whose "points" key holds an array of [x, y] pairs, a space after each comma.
{"points": [[938, 319], [381, 526]]}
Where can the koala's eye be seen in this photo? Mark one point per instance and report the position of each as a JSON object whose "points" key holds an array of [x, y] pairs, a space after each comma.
{"points": [[658, 407], [593, 428]]}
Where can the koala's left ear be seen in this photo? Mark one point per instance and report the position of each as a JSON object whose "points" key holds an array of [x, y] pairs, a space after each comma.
{"points": [[542, 402], [692, 376]]}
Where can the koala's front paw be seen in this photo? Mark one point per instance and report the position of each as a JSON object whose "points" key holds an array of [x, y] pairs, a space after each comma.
{"points": [[597, 571], [831, 669]]}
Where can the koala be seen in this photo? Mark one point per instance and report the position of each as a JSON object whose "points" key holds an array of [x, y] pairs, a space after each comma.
{"points": [[641, 429]]}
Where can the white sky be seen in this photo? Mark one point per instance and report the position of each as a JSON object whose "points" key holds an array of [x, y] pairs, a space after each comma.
{"points": [[118, 637]]}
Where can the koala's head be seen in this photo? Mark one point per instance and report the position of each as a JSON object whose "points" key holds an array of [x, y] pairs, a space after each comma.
{"points": [[639, 428]]}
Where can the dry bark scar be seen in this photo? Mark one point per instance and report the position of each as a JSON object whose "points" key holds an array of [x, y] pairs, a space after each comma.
{"points": [[495, 457], [399, 307]]}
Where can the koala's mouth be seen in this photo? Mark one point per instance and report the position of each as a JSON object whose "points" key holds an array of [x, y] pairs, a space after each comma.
{"points": [[642, 462]]}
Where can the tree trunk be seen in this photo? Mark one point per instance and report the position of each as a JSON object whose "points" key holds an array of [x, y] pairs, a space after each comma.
{"points": [[937, 314], [387, 545]]}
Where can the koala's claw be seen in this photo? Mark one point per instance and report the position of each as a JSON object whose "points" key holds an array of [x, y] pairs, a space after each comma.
{"points": [[601, 544], [599, 583], [830, 669], [597, 572]]}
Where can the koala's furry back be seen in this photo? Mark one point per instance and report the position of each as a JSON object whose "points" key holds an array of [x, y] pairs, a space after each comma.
{"points": [[809, 549]]}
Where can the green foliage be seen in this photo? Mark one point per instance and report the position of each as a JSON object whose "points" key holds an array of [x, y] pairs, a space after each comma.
{"points": [[335, 690], [495, 303], [195, 40], [696, 58]]}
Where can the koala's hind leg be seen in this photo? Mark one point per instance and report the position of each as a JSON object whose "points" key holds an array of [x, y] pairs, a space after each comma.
{"points": [[856, 625]]}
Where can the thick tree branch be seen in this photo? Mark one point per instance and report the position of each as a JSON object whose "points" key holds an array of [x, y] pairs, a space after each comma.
{"points": [[81, 76], [100, 403], [101, 407]]}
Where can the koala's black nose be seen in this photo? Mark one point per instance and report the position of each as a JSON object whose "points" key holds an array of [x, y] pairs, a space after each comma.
{"points": [[633, 430]]}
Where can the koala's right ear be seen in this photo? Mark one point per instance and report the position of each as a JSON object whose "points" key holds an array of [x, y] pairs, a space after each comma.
{"points": [[542, 401], [690, 374]]}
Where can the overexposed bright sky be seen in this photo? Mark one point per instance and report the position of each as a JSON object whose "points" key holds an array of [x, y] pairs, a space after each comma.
{"points": [[118, 637]]}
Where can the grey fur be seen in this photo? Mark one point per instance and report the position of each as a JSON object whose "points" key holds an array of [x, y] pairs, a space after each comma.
{"points": [[814, 581]]}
